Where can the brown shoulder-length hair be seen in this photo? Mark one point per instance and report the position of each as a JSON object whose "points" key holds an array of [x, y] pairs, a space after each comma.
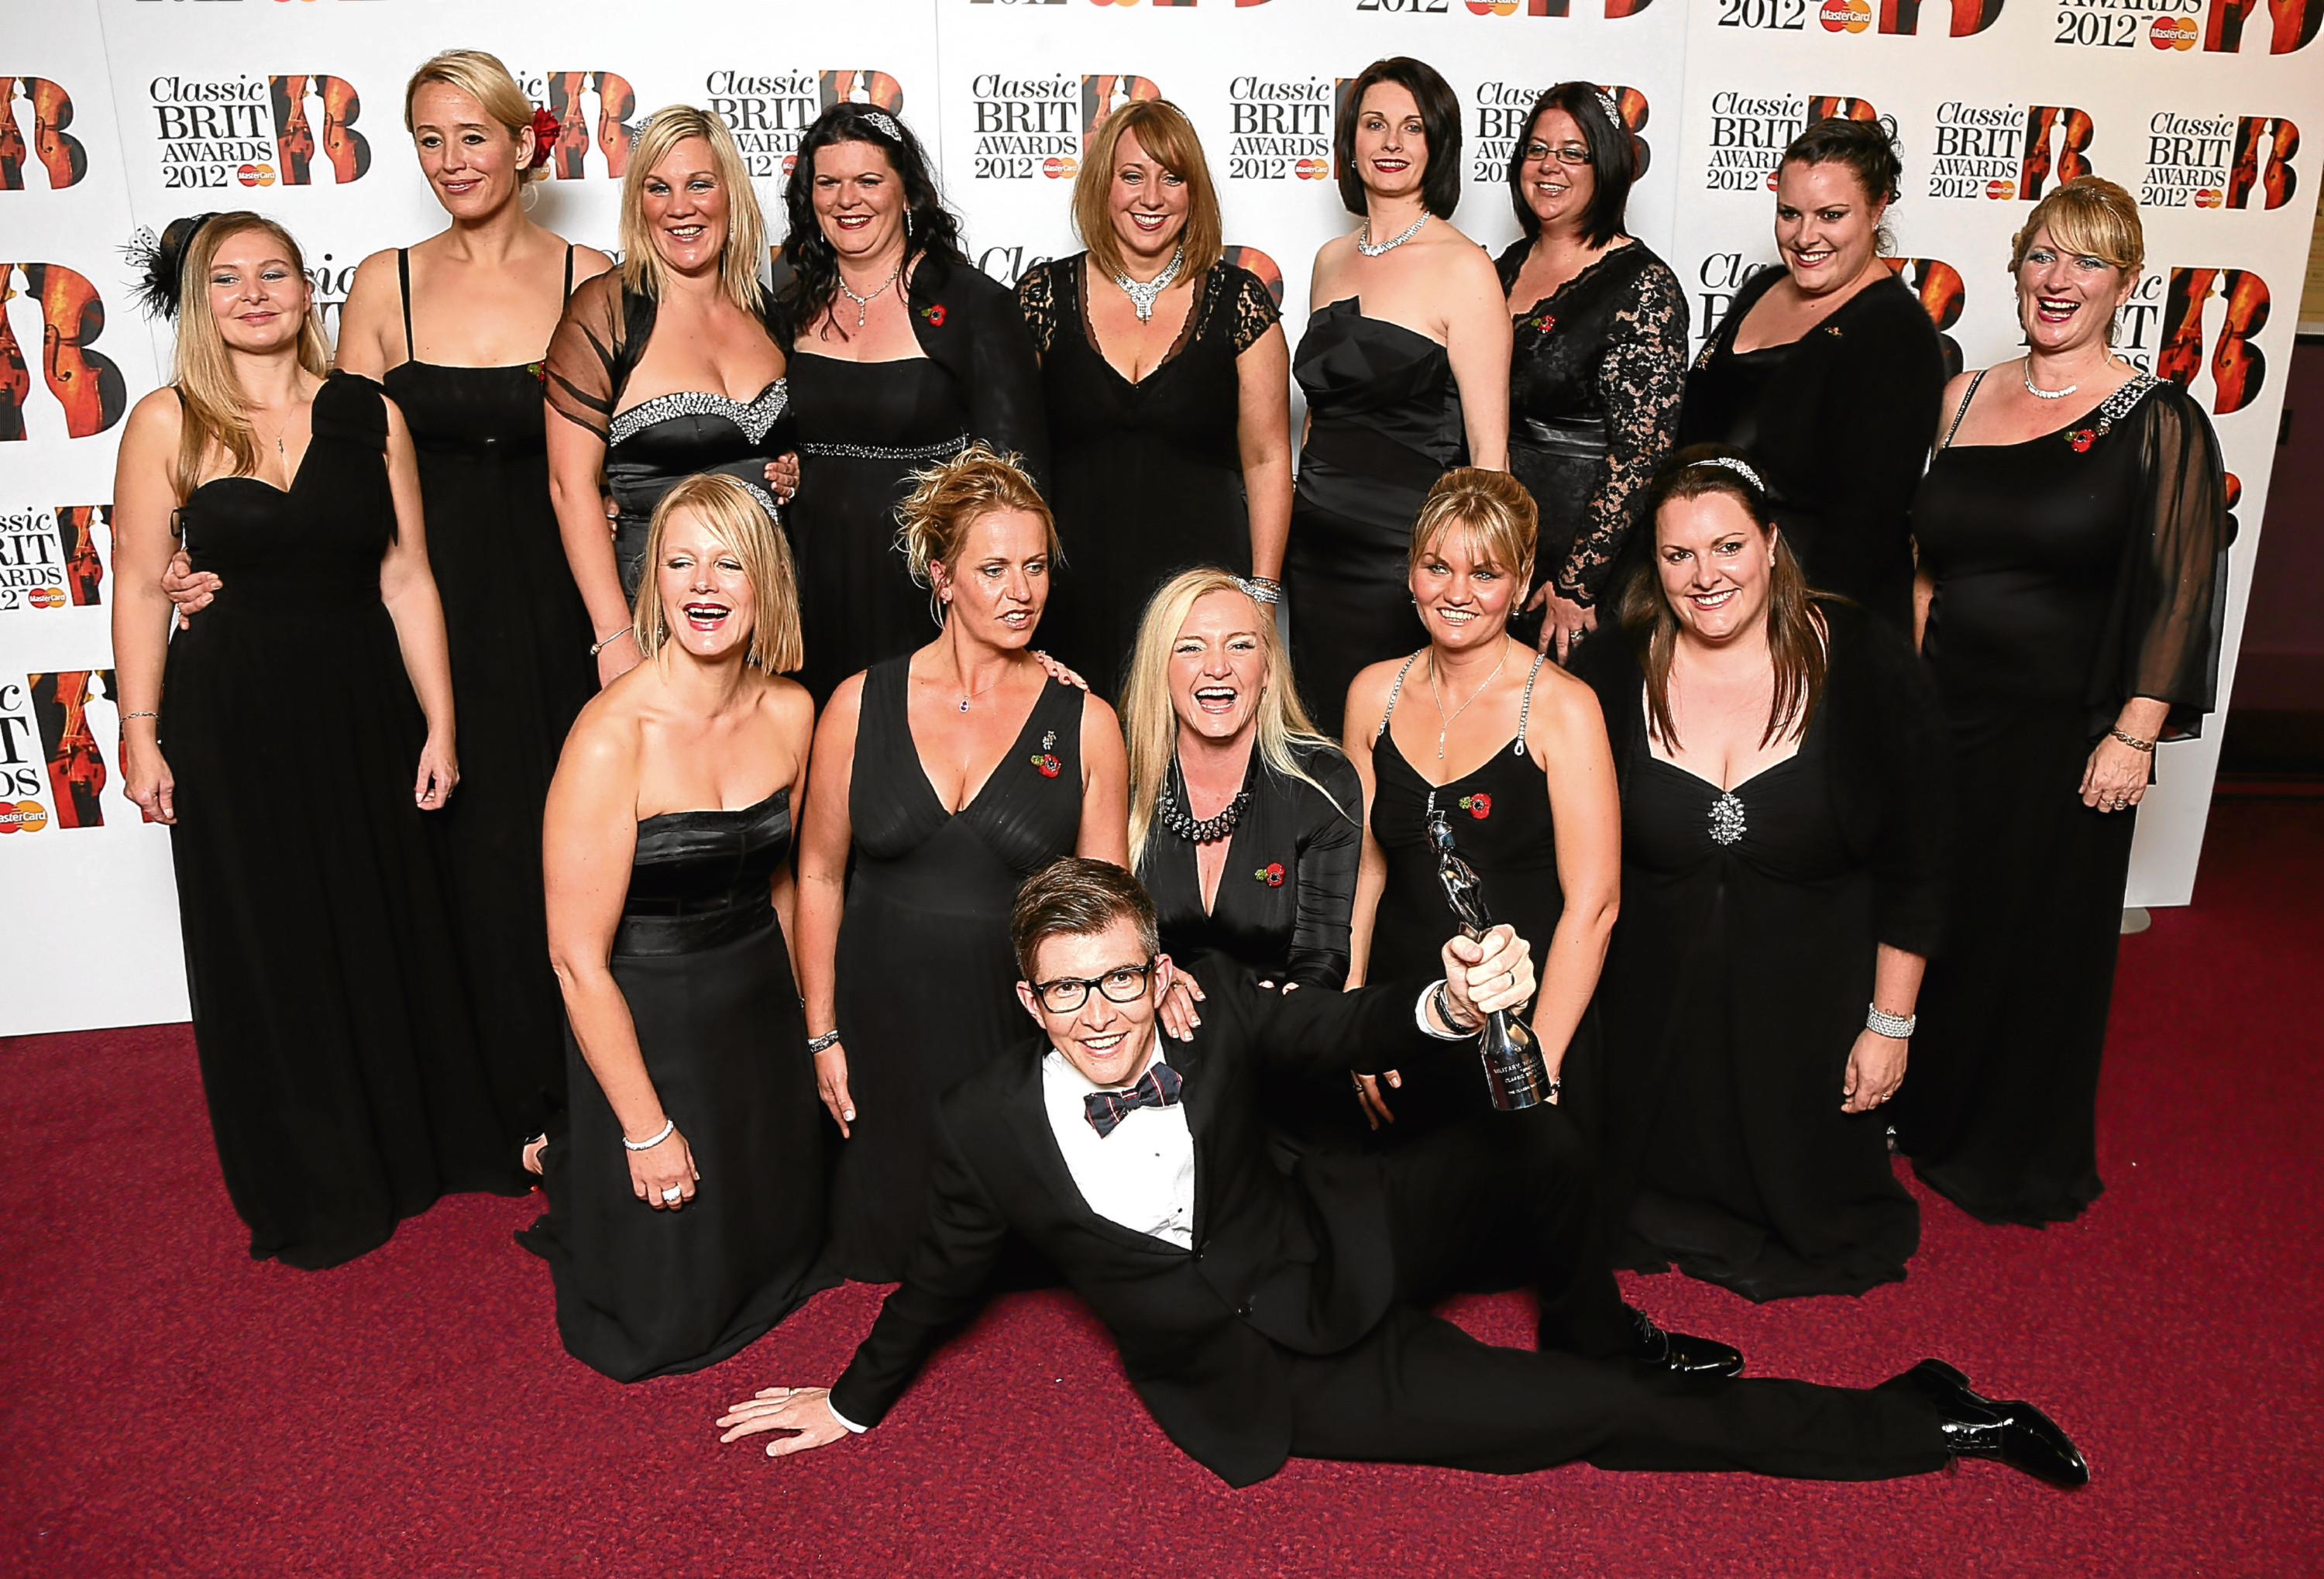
{"points": [[1168, 138], [1794, 639]]}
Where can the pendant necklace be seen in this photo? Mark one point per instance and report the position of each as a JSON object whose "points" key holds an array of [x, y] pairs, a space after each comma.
{"points": [[1142, 297], [2026, 364], [1463, 707], [1371, 249], [968, 696], [864, 303]]}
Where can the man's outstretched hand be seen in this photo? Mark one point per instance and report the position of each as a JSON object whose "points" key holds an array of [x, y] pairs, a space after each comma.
{"points": [[1495, 972], [801, 1409]]}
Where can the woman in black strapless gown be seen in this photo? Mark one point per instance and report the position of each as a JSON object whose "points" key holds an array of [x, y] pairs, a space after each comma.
{"points": [[903, 354], [345, 1086], [685, 1193], [1405, 367], [615, 440]]}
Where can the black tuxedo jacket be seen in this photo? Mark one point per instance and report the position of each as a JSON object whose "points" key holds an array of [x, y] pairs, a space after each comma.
{"points": [[1302, 1262]]}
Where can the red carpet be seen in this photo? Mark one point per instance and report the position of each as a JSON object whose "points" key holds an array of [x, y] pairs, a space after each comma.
{"points": [[171, 1407]]}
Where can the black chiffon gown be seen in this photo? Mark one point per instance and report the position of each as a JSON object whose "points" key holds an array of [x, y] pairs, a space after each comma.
{"points": [[1384, 423], [345, 1086], [701, 962], [1595, 374], [1499, 816], [1735, 983], [656, 444], [2073, 571], [520, 643], [1839, 423], [1148, 476], [926, 978]]}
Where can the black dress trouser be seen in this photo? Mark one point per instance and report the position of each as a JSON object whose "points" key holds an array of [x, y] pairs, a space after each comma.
{"points": [[1509, 1189]]}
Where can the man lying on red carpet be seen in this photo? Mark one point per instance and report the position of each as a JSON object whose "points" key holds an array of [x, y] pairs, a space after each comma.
{"points": [[1262, 1316]]}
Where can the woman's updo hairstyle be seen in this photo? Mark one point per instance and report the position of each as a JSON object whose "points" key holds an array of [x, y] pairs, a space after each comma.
{"points": [[949, 498], [1864, 147], [479, 74], [1494, 508]]}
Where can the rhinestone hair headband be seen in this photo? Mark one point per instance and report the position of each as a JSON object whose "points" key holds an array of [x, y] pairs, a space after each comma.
{"points": [[1741, 469], [883, 123], [1606, 103]]}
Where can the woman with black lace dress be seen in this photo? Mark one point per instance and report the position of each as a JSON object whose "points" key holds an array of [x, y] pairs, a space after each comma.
{"points": [[1167, 384], [1598, 361]]}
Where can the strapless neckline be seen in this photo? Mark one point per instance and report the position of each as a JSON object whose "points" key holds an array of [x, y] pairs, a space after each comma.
{"points": [[761, 805], [756, 417], [1354, 308]]}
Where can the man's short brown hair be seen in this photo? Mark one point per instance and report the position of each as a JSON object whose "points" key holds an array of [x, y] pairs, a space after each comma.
{"points": [[1076, 897]]}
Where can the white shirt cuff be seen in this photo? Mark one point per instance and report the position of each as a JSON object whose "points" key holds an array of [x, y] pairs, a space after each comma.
{"points": [[842, 1420], [1420, 1015]]}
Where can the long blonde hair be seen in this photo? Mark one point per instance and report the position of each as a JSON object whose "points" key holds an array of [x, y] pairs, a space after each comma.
{"points": [[642, 270], [740, 522], [212, 396], [1149, 723]]}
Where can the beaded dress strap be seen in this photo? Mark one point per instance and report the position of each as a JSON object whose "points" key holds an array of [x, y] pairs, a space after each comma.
{"points": [[1394, 691], [1968, 395], [1525, 708]]}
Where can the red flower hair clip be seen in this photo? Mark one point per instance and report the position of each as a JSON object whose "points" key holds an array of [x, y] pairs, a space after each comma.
{"points": [[933, 313], [545, 127], [1270, 875], [1478, 806]]}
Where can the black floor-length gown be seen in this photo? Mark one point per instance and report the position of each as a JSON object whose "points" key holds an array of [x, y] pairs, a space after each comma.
{"points": [[1384, 423], [345, 1085], [520, 637], [1839, 423], [2073, 571], [927, 978], [1595, 370], [657, 443], [701, 962], [1147, 477], [1499, 816]]}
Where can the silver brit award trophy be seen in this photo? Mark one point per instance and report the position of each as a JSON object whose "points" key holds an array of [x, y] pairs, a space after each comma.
{"points": [[1514, 1069]]}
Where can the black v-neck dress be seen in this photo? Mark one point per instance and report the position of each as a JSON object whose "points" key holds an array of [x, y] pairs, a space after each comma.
{"points": [[1147, 477], [345, 1086], [927, 978]]}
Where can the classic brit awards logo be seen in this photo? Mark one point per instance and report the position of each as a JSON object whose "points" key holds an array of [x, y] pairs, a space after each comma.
{"points": [[1040, 126], [57, 151], [1749, 133], [770, 114], [2211, 319], [2220, 162], [2004, 153], [1892, 17], [2291, 25], [54, 558], [87, 384], [1282, 129], [257, 131]]}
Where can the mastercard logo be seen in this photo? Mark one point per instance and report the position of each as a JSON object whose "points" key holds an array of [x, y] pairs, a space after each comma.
{"points": [[46, 597], [1060, 167], [1312, 170], [1845, 15], [1493, 7], [2172, 32], [1771, 181], [2209, 198], [256, 175], [2001, 191], [26, 816]]}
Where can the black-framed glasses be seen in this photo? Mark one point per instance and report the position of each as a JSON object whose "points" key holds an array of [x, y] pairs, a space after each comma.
{"points": [[1124, 983], [1564, 153]]}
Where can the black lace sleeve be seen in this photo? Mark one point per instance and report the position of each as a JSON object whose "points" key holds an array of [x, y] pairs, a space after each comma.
{"points": [[1255, 311], [1037, 299], [1331, 840], [587, 364], [1640, 381], [2167, 620]]}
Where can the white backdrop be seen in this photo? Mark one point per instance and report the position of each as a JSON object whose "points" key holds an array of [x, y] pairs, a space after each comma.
{"points": [[128, 113]]}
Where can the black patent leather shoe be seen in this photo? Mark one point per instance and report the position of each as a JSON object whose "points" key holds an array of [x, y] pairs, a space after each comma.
{"points": [[1680, 1354], [2007, 1431]]}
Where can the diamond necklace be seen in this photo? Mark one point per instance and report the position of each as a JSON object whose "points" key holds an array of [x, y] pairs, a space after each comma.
{"points": [[2026, 372], [1143, 296], [1180, 820], [864, 303], [1373, 249]]}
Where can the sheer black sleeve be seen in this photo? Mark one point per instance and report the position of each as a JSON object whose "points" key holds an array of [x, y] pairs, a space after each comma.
{"points": [[1254, 308], [1640, 381], [2167, 620], [1897, 777], [1036, 300], [1330, 839], [587, 361]]}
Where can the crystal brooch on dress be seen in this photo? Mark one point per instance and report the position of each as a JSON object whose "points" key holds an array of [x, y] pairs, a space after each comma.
{"points": [[1726, 818]]}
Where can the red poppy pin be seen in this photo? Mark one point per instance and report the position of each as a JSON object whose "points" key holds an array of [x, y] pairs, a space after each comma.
{"points": [[1050, 766], [1478, 806], [539, 371], [1541, 323], [933, 313], [1270, 875], [2081, 438], [545, 127]]}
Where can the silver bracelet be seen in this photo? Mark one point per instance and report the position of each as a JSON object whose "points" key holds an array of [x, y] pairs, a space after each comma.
{"points": [[1444, 1012], [660, 1136], [609, 641], [125, 717], [816, 1044], [1889, 1025]]}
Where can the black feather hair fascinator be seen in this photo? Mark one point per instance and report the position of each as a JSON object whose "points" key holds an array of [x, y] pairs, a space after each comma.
{"points": [[159, 262]]}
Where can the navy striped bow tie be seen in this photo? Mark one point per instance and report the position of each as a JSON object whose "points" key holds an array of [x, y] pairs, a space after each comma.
{"points": [[1157, 1087]]}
